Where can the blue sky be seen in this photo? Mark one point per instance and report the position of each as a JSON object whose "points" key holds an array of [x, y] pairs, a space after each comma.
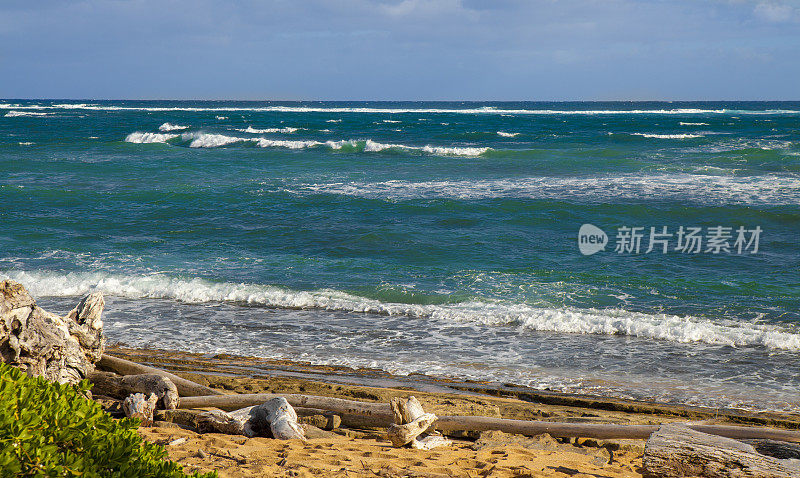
{"points": [[408, 49]]}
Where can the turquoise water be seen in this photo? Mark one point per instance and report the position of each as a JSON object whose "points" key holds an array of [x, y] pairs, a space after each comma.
{"points": [[423, 237]]}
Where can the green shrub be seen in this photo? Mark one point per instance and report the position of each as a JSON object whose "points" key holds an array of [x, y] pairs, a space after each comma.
{"points": [[47, 429]]}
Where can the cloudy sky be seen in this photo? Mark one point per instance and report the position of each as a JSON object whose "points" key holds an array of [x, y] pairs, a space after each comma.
{"points": [[401, 49]]}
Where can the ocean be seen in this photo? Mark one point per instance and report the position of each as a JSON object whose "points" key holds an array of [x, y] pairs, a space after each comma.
{"points": [[425, 237]]}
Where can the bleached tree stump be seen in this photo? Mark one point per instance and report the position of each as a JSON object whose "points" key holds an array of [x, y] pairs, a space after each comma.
{"points": [[676, 451], [117, 386], [411, 421], [282, 419], [60, 349], [141, 407]]}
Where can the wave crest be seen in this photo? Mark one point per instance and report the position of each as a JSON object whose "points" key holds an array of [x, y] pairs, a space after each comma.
{"points": [[563, 320]]}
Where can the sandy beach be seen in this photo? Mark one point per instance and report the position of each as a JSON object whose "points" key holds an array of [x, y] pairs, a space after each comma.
{"points": [[367, 451]]}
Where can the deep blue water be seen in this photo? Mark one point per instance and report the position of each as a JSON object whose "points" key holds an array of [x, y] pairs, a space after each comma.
{"points": [[429, 237]]}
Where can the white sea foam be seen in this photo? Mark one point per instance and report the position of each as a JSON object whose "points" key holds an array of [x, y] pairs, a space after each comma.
{"points": [[692, 124], [25, 143], [206, 140], [276, 143], [333, 121], [507, 135], [563, 320], [212, 140], [171, 127], [439, 150], [480, 110], [668, 136], [139, 137], [14, 114], [704, 188], [252, 130]]}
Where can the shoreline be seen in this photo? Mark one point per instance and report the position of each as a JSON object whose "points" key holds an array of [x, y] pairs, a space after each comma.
{"points": [[365, 451], [226, 371]]}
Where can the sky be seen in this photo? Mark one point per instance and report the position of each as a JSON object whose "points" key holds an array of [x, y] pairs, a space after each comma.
{"points": [[401, 49]]}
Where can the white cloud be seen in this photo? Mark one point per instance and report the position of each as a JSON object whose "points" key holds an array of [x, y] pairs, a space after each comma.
{"points": [[775, 12]]}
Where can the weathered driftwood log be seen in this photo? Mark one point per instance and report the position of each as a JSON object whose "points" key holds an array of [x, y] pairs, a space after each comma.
{"points": [[282, 420], [120, 386], [601, 430], [776, 449], [274, 418], [411, 421], [186, 388], [60, 349], [381, 412], [381, 415], [678, 451], [141, 407]]}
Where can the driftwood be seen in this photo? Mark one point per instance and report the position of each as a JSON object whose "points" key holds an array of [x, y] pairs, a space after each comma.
{"points": [[120, 386], [381, 415], [60, 349], [678, 451], [186, 388], [282, 420], [602, 430], [776, 449], [411, 421], [141, 407], [274, 418]]}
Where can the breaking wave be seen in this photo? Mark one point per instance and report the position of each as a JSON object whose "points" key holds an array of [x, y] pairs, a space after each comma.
{"points": [[14, 114], [702, 188], [488, 313], [139, 137], [507, 135], [250, 129], [668, 136], [171, 127], [212, 140]]}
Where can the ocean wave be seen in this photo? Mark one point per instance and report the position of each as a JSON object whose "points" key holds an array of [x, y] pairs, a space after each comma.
{"points": [[171, 127], [250, 129], [668, 136], [139, 137], [682, 123], [14, 114], [507, 135], [495, 313], [333, 109], [702, 188], [212, 140]]}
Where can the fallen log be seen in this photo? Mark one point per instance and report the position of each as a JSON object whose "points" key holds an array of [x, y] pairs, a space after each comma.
{"points": [[381, 415], [120, 386], [186, 388], [381, 412], [274, 418], [602, 430], [678, 451]]}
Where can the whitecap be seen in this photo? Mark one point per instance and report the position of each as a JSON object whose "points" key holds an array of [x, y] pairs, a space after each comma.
{"points": [[683, 329], [171, 127]]}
